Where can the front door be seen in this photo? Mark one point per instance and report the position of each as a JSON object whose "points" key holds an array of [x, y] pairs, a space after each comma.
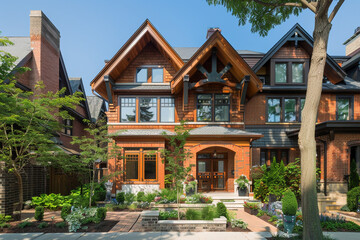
{"points": [[211, 174]]}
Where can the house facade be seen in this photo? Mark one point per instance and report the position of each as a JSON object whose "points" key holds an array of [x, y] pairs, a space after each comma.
{"points": [[40, 51], [242, 108]]}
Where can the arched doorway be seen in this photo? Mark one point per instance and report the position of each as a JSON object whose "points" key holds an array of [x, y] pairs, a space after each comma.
{"points": [[214, 169]]}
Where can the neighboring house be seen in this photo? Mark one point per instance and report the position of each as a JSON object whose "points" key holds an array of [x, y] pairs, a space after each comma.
{"points": [[41, 53], [243, 108]]}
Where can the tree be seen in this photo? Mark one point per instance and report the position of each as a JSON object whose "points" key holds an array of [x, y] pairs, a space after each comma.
{"points": [[263, 15], [354, 176], [174, 157], [29, 122], [95, 148]]}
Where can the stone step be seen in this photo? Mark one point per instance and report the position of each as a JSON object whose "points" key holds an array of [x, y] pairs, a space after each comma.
{"points": [[234, 197], [333, 207]]}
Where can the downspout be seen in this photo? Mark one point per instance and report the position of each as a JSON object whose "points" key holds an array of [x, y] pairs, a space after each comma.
{"points": [[325, 166]]}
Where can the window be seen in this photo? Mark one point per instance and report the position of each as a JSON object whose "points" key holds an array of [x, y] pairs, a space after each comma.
{"points": [[284, 109], [148, 109], [128, 109], [149, 166], [290, 110], [289, 71], [274, 110], [167, 110], [149, 74], [142, 75], [267, 156], [132, 166], [204, 108], [140, 165], [222, 107], [344, 108], [68, 124], [297, 72], [213, 107], [157, 75], [280, 72]]}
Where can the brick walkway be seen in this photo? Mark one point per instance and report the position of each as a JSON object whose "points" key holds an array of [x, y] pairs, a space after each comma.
{"points": [[255, 223]]}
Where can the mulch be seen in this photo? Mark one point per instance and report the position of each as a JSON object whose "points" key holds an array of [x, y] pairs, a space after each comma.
{"points": [[266, 218], [103, 226]]}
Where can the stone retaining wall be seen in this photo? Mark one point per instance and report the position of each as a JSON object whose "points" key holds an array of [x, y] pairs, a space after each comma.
{"points": [[150, 222]]}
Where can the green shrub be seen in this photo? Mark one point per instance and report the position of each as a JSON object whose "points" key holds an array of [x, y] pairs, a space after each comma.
{"points": [[101, 213], [132, 206], [60, 224], [273, 218], [130, 198], [120, 197], [289, 203], [65, 210], [39, 213], [165, 215], [168, 194], [354, 176], [24, 224], [99, 192], [140, 197], [5, 218], [260, 213], [340, 226], [192, 214], [209, 213], [221, 209], [238, 223], [345, 208], [4, 225], [43, 225], [150, 197], [351, 198]]}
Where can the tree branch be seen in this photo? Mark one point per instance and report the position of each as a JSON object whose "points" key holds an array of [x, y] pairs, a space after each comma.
{"points": [[335, 10], [324, 7], [308, 5], [278, 4]]}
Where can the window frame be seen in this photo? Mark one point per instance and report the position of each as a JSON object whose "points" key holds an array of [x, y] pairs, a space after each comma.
{"points": [[149, 73], [160, 109], [68, 126], [157, 108], [141, 152], [282, 108], [289, 61], [212, 106], [351, 106], [278, 152], [121, 109]]}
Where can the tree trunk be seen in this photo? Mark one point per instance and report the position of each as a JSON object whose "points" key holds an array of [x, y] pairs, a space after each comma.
{"points": [[307, 142], [92, 178], [21, 190]]}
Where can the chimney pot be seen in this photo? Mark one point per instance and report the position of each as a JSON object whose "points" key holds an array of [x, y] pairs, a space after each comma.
{"points": [[211, 30]]}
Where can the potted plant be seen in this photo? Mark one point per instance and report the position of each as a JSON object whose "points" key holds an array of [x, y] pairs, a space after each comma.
{"points": [[242, 183], [289, 208], [251, 208], [190, 188]]}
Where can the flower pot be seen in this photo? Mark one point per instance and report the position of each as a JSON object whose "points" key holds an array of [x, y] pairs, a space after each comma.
{"points": [[289, 223], [242, 192], [251, 211]]}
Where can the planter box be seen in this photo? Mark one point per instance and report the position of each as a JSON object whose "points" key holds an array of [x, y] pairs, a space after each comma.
{"points": [[251, 211]]}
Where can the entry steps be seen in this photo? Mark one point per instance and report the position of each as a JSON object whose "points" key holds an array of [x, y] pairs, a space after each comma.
{"points": [[231, 201]]}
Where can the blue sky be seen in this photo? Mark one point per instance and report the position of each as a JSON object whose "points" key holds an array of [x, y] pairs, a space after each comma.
{"points": [[92, 31]]}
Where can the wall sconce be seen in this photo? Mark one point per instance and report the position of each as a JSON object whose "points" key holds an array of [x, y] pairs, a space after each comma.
{"points": [[214, 154]]}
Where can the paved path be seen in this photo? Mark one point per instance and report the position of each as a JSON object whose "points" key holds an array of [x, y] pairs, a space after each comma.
{"points": [[158, 236], [255, 224]]}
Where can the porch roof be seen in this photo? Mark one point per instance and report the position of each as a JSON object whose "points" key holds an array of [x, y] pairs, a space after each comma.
{"points": [[142, 133], [220, 131]]}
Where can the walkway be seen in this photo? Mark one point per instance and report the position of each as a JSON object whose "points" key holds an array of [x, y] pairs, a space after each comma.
{"points": [[157, 236], [255, 224]]}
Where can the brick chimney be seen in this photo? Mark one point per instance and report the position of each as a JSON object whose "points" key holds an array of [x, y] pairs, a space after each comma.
{"points": [[45, 42], [210, 31], [352, 45]]}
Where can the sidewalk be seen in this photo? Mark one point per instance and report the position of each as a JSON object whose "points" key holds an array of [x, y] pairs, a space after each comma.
{"points": [[158, 236]]}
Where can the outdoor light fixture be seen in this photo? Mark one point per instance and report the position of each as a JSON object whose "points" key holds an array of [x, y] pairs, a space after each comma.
{"points": [[214, 154]]}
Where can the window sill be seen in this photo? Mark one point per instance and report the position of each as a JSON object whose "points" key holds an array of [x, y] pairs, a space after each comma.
{"points": [[177, 123]]}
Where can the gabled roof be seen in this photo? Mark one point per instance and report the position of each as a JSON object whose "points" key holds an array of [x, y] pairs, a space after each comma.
{"points": [[226, 53], [351, 62], [309, 40], [144, 34], [76, 85]]}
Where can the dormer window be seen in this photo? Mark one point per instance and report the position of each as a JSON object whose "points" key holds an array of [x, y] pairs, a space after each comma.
{"points": [[150, 74], [290, 71]]}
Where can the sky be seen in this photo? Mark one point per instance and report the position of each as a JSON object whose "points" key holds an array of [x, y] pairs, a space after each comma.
{"points": [[93, 31]]}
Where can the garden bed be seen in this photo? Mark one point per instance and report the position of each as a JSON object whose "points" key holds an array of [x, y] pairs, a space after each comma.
{"points": [[103, 226]]}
